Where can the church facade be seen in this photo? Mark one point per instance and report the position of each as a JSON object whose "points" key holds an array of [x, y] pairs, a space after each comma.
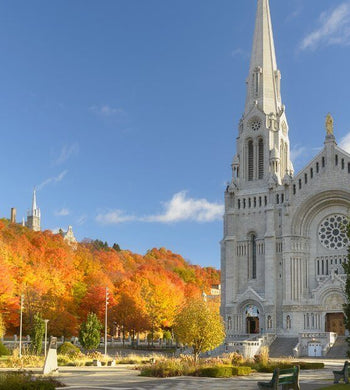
{"points": [[284, 241]]}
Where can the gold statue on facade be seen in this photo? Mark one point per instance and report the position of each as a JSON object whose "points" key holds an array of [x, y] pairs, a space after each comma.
{"points": [[330, 125]]}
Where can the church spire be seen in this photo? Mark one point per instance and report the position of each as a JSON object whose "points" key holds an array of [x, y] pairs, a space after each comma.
{"points": [[34, 206], [264, 77], [263, 153], [34, 216]]}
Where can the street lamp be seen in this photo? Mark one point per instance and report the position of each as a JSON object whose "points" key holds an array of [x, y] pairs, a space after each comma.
{"points": [[106, 321], [46, 321], [20, 327]]}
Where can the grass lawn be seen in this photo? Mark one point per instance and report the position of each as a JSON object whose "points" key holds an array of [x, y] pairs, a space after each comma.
{"points": [[336, 387]]}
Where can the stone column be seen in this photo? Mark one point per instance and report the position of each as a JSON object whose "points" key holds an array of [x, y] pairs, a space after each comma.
{"points": [[270, 256]]}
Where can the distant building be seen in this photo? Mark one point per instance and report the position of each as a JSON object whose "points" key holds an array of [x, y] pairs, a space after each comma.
{"points": [[69, 237], [215, 290], [34, 216]]}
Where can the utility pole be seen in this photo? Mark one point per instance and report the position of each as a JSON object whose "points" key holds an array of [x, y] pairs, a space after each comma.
{"points": [[20, 327], [106, 309], [46, 321]]}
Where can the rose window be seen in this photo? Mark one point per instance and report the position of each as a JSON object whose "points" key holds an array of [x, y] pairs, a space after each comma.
{"points": [[255, 125], [332, 232]]}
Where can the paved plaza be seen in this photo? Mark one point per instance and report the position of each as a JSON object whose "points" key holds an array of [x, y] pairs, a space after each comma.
{"points": [[125, 377]]}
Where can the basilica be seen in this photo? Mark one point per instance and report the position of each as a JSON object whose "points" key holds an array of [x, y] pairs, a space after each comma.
{"points": [[284, 232]]}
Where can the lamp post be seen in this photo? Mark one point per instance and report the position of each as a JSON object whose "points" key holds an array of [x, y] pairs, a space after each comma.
{"points": [[106, 321], [20, 327], [46, 321]]}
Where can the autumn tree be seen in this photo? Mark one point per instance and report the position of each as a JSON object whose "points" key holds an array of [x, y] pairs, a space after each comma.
{"points": [[130, 315], [90, 332], [2, 327], [37, 334], [199, 326]]}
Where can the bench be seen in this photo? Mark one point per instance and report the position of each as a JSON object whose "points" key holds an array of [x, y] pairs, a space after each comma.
{"points": [[287, 377], [343, 374]]}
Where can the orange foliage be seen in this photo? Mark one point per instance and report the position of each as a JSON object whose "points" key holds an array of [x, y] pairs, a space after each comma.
{"points": [[64, 284]]}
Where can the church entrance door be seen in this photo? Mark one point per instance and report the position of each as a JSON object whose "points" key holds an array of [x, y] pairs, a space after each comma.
{"points": [[335, 323], [253, 325]]}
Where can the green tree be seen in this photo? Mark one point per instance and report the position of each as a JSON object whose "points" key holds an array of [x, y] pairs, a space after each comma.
{"points": [[116, 247], [37, 334], [199, 326], [90, 332], [2, 326], [346, 267]]}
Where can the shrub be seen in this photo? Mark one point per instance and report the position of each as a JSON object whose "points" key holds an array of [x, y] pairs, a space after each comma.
{"points": [[68, 349], [3, 350], [241, 370], [89, 333], [224, 371], [167, 368], [26, 381], [216, 372], [270, 367], [37, 334], [236, 359], [263, 356], [310, 365]]}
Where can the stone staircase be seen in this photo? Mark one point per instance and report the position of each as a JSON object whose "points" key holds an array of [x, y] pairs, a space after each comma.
{"points": [[339, 349], [283, 346]]}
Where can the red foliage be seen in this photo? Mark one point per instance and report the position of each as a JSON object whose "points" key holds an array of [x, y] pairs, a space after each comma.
{"points": [[64, 283]]}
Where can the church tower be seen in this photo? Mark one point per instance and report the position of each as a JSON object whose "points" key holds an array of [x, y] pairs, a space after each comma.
{"points": [[251, 288], [263, 153], [284, 241], [33, 218]]}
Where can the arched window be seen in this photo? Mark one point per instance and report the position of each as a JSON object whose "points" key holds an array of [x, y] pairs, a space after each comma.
{"points": [[288, 322], [229, 323], [253, 257], [250, 160], [261, 158], [269, 322]]}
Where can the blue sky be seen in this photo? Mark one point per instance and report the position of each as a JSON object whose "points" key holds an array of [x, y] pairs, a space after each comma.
{"points": [[124, 112]]}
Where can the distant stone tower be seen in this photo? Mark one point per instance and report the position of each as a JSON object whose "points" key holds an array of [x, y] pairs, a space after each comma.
{"points": [[33, 217]]}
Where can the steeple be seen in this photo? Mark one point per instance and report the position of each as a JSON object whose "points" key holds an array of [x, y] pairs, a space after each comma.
{"points": [[34, 207], [263, 153], [34, 215], [264, 77]]}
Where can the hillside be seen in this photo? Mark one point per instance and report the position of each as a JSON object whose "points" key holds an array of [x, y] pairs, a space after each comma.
{"points": [[64, 284]]}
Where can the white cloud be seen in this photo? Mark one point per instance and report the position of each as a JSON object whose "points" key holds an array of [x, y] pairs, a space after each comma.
{"points": [[179, 209], [114, 217], [66, 152], [334, 29], [345, 143], [62, 213], [108, 111], [54, 179]]}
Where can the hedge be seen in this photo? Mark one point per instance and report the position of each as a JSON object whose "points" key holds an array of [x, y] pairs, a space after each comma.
{"points": [[224, 371], [3, 350], [273, 365]]}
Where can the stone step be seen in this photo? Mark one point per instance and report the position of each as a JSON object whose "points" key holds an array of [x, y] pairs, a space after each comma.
{"points": [[283, 347], [339, 349]]}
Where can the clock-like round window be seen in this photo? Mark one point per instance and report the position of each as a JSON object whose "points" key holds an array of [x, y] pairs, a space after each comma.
{"points": [[332, 232], [255, 124]]}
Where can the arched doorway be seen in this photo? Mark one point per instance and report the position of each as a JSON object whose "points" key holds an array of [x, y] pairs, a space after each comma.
{"points": [[252, 314], [335, 319], [335, 322]]}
